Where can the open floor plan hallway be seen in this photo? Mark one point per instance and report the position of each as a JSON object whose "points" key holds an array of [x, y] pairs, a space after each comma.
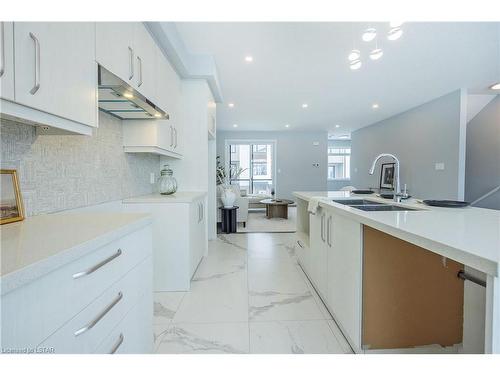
{"points": [[248, 295]]}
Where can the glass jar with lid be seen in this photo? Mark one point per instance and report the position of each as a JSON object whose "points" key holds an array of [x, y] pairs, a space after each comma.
{"points": [[167, 184]]}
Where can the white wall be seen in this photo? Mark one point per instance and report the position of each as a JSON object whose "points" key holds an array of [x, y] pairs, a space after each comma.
{"points": [[420, 137]]}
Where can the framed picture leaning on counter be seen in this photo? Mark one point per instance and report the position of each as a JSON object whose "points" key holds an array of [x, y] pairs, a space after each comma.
{"points": [[11, 203]]}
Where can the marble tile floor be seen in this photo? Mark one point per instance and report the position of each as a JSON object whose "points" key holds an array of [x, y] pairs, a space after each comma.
{"points": [[248, 295]]}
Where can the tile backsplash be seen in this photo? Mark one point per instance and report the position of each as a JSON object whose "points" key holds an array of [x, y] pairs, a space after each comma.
{"points": [[60, 172]]}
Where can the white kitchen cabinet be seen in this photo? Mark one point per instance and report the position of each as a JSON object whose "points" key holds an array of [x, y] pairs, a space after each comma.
{"points": [[94, 291], [128, 51], [55, 69], [145, 63], [115, 49], [344, 274], [179, 236], [7, 60]]}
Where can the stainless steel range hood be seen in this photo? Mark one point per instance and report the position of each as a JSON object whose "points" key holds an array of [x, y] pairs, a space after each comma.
{"points": [[119, 99]]}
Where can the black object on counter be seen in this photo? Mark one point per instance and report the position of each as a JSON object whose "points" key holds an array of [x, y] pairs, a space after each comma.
{"points": [[362, 192], [228, 218], [445, 203]]}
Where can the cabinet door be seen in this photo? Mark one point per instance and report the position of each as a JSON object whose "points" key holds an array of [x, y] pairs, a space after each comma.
{"points": [[344, 275], [317, 258], [145, 60], [197, 236], [168, 94], [7, 60], [115, 49], [56, 70]]}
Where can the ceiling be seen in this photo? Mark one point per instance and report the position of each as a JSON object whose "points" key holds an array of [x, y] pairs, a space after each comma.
{"points": [[296, 63]]}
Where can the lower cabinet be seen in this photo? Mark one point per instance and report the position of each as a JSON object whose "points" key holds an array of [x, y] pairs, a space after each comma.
{"points": [[76, 307], [344, 283], [333, 264], [179, 240]]}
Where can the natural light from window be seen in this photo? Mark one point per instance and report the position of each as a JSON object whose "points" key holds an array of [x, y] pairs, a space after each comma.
{"points": [[339, 163]]}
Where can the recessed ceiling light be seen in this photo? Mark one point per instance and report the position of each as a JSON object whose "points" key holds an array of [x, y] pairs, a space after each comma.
{"points": [[355, 65], [376, 54], [495, 86], [354, 55], [375, 106], [235, 125], [394, 24], [287, 125], [395, 33], [248, 58], [158, 115], [230, 105], [369, 35], [128, 95], [305, 105], [337, 126]]}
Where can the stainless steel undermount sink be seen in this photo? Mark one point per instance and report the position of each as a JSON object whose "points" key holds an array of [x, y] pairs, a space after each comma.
{"points": [[366, 205], [383, 207], [356, 202]]}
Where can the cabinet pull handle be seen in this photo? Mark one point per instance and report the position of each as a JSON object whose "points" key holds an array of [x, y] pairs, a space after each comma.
{"points": [[175, 137], [131, 63], [329, 230], [171, 136], [35, 88], [140, 71], [322, 228], [2, 49], [298, 242], [97, 266], [118, 343], [100, 316], [202, 211]]}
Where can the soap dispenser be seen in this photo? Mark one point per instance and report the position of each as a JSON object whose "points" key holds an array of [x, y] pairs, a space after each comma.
{"points": [[167, 183]]}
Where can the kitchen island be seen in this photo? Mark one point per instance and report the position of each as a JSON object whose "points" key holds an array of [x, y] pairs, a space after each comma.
{"points": [[341, 249]]}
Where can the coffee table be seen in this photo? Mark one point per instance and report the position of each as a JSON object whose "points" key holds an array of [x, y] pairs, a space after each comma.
{"points": [[276, 207]]}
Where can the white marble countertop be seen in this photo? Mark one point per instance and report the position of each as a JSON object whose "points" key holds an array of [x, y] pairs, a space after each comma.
{"points": [[178, 197], [468, 235], [40, 244]]}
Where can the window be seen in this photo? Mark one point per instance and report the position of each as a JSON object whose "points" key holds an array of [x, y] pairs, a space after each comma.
{"points": [[339, 163], [257, 161]]}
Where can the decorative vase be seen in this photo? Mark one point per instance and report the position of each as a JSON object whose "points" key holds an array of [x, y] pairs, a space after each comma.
{"points": [[167, 184], [228, 197]]}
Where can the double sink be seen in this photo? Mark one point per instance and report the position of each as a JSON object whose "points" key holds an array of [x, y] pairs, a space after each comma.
{"points": [[367, 205]]}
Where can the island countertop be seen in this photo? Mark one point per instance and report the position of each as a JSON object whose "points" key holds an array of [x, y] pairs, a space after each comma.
{"points": [[468, 235], [40, 244]]}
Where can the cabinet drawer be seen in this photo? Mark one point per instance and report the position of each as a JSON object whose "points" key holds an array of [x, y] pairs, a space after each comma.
{"points": [[85, 331], [134, 334], [33, 312]]}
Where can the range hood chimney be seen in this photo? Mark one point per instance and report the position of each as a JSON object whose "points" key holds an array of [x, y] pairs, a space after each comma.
{"points": [[119, 99]]}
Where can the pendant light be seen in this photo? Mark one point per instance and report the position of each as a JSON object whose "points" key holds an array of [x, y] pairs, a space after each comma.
{"points": [[395, 33], [369, 35], [355, 64], [355, 54]]}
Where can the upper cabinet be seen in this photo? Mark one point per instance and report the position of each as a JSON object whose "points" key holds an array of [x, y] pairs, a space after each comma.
{"points": [[7, 60], [115, 49], [55, 69], [128, 51]]}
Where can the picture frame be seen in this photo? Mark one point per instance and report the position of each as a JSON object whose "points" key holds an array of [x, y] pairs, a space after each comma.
{"points": [[11, 203], [387, 176]]}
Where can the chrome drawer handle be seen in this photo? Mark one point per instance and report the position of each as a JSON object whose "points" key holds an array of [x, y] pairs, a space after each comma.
{"points": [[97, 266], [35, 88], [118, 343], [2, 48], [298, 242], [131, 63], [139, 60], [100, 316]]}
